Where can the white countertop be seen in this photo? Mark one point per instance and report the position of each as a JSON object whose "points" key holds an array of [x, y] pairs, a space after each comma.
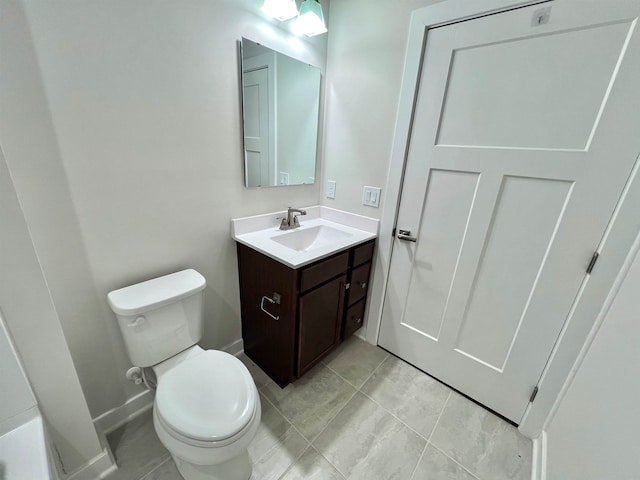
{"points": [[259, 231]]}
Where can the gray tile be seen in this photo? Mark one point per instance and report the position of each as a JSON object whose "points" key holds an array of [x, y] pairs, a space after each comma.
{"points": [[166, 471], [412, 396], [312, 466], [483, 443], [259, 377], [363, 441], [312, 401], [279, 458], [136, 448], [355, 360], [366, 442], [435, 465], [272, 427]]}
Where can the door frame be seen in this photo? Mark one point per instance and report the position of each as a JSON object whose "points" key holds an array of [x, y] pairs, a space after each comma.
{"points": [[596, 290]]}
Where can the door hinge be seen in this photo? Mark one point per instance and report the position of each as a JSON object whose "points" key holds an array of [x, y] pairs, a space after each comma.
{"points": [[533, 394], [593, 261], [393, 233]]}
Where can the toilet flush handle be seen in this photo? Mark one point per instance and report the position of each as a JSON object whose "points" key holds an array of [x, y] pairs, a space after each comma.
{"points": [[137, 322]]}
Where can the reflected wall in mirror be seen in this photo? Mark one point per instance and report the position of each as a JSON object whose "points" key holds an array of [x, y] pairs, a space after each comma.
{"points": [[280, 102]]}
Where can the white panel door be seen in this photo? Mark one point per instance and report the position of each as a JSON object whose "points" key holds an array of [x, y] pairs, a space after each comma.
{"points": [[256, 127], [524, 134]]}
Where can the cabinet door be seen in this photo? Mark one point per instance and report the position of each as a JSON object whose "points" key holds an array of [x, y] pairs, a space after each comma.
{"points": [[320, 313], [267, 341]]}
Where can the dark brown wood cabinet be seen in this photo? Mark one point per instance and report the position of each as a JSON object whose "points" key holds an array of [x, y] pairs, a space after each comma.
{"points": [[292, 318]]}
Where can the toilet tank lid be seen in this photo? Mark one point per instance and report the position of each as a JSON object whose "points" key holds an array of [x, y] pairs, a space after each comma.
{"points": [[155, 293]]}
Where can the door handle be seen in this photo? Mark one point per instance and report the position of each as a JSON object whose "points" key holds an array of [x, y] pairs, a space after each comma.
{"points": [[406, 236]]}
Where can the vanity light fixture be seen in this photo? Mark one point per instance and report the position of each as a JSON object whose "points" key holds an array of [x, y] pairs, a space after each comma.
{"points": [[310, 21], [280, 9]]}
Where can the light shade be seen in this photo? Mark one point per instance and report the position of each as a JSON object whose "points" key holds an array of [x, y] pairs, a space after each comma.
{"points": [[280, 9], [310, 20]]}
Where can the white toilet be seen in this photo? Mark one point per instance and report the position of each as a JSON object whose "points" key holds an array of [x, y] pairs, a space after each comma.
{"points": [[207, 407]]}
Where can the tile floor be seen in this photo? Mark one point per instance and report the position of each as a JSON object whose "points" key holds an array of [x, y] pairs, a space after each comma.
{"points": [[361, 414]]}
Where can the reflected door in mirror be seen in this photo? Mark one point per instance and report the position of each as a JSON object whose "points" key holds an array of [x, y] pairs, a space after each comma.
{"points": [[258, 165]]}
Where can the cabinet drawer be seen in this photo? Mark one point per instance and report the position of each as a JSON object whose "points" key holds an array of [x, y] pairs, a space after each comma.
{"points": [[323, 271], [359, 283], [353, 319], [363, 253]]}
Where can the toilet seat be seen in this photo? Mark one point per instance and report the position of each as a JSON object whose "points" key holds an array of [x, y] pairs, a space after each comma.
{"points": [[206, 400], [217, 445]]}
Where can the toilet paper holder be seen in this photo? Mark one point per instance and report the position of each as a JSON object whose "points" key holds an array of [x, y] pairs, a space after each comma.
{"points": [[275, 298]]}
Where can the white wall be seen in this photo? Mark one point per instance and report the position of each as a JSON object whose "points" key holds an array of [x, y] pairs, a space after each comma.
{"points": [[365, 60], [28, 138], [17, 397], [365, 63], [594, 434], [146, 171], [33, 323]]}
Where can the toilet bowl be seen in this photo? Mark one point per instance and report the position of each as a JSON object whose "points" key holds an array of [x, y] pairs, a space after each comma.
{"points": [[207, 408], [206, 412]]}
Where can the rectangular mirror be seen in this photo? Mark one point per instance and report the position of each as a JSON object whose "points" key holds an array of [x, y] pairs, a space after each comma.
{"points": [[280, 103]]}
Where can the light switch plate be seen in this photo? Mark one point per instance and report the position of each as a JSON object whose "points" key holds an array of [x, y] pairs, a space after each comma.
{"points": [[371, 196], [331, 189], [284, 178]]}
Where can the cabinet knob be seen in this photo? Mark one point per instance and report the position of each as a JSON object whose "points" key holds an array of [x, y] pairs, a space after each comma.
{"points": [[363, 284], [358, 320]]}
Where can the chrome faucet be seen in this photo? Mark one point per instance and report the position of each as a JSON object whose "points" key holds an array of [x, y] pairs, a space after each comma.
{"points": [[291, 221]]}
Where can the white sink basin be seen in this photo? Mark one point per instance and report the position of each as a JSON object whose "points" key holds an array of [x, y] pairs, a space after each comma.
{"points": [[302, 240], [322, 232]]}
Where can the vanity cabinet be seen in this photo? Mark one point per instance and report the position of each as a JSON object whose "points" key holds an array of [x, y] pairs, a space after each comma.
{"points": [[293, 317]]}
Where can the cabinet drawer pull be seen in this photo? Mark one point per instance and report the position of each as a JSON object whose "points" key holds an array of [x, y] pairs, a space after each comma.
{"points": [[270, 300]]}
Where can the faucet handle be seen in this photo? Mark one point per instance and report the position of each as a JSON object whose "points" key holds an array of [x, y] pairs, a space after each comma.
{"points": [[296, 212]]}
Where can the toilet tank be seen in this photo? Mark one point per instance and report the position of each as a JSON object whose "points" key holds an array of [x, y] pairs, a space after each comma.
{"points": [[160, 317]]}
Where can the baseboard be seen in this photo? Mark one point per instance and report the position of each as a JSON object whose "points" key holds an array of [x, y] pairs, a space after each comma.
{"points": [[116, 417], [539, 458], [99, 467], [235, 348], [361, 333]]}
